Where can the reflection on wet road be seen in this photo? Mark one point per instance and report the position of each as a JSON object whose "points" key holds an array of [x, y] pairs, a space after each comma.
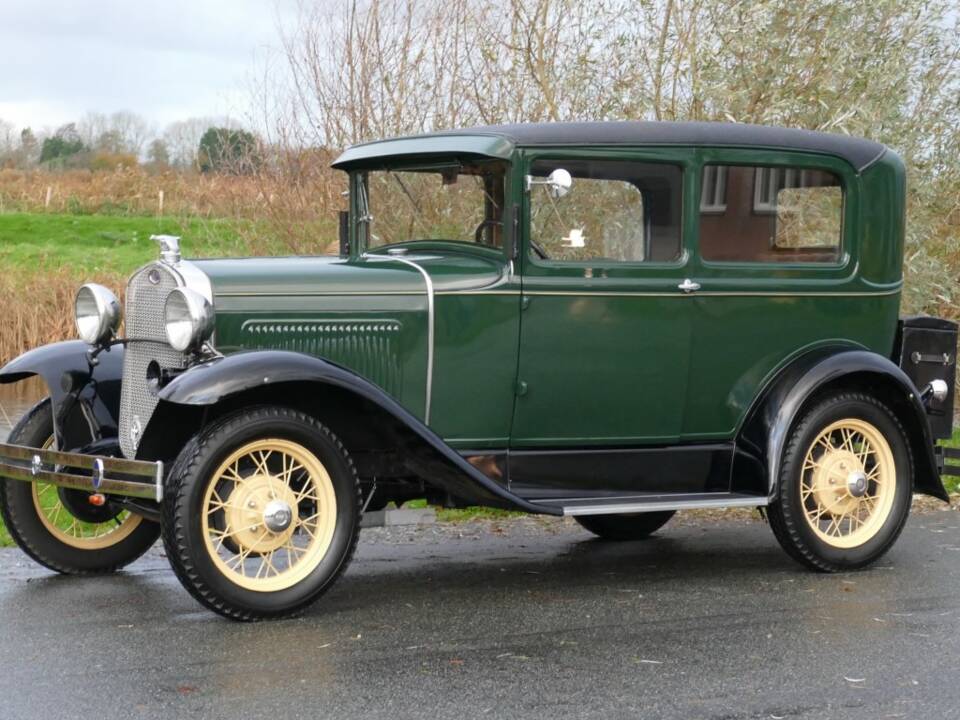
{"points": [[518, 619]]}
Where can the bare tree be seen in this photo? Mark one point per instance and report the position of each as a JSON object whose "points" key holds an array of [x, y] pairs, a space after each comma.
{"points": [[131, 129], [9, 140], [182, 138], [120, 132]]}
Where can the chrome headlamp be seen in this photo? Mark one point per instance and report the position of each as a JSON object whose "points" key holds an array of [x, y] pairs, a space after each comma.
{"points": [[97, 314], [189, 319]]}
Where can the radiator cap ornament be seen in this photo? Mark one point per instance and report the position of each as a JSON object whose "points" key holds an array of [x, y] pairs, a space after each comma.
{"points": [[169, 248]]}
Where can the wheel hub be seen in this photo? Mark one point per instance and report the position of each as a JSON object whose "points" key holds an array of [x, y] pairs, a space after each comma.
{"points": [[277, 516], [857, 483], [259, 514], [839, 481]]}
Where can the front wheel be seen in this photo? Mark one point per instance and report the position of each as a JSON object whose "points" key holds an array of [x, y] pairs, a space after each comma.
{"points": [[261, 513], [845, 484], [60, 528]]}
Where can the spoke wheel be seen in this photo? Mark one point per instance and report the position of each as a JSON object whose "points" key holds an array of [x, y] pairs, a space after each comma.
{"points": [[848, 483], [269, 514], [843, 492], [59, 528], [64, 525], [261, 513]]}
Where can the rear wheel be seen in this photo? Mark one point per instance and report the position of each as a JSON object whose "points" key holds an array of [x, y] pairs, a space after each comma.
{"points": [[845, 484], [261, 513], [60, 528], [632, 526]]}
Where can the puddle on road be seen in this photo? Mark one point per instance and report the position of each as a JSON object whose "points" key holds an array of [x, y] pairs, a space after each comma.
{"points": [[16, 399]]}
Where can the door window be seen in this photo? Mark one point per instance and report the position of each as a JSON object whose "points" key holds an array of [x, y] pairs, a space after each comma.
{"points": [[770, 214], [615, 211]]}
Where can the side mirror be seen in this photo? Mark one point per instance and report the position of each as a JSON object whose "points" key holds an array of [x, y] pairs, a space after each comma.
{"points": [[558, 183], [344, 217]]}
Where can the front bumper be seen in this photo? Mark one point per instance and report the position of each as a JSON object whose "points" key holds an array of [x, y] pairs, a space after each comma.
{"points": [[92, 473]]}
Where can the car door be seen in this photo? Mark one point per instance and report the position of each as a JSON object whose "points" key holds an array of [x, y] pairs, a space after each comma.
{"points": [[604, 325], [776, 259]]}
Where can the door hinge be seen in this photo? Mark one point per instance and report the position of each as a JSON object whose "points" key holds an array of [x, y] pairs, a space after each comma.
{"points": [[524, 302], [521, 388]]}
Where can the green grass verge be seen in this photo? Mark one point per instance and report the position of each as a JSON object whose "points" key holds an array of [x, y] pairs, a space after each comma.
{"points": [[91, 244], [464, 514], [950, 482]]}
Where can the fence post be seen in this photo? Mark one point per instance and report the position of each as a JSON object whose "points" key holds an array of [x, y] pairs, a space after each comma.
{"points": [[160, 203], [46, 203]]}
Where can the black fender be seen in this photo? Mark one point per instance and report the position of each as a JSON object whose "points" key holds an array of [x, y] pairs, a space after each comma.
{"points": [[278, 376], [763, 436], [85, 396]]}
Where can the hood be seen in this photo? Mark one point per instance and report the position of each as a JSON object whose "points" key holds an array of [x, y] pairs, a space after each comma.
{"points": [[297, 276]]}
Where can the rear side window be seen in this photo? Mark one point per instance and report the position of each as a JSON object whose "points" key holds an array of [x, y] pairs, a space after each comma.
{"points": [[770, 214], [615, 211]]}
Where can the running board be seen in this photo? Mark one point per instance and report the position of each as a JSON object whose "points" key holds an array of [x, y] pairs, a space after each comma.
{"points": [[653, 503]]}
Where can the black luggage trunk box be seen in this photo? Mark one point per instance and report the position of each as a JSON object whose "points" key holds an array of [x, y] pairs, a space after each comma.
{"points": [[926, 350]]}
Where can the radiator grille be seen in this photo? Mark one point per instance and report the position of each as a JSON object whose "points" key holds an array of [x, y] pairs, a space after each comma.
{"points": [[146, 294], [369, 348]]}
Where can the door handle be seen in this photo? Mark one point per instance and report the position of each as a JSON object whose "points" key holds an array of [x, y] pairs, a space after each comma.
{"points": [[688, 285]]}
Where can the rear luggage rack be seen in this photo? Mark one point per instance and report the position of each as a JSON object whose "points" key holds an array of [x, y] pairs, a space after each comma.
{"points": [[944, 454]]}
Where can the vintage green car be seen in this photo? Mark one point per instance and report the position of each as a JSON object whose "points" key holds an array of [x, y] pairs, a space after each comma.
{"points": [[612, 321]]}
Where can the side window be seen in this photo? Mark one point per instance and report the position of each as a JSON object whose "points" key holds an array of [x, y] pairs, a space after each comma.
{"points": [[615, 211], [770, 214]]}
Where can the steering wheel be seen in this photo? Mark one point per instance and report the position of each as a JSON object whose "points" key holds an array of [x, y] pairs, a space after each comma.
{"points": [[538, 250], [478, 233]]}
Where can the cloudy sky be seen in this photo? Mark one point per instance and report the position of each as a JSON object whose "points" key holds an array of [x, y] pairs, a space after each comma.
{"points": [[166, 60]]}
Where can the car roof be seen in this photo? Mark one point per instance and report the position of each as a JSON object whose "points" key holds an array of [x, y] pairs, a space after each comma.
{"points": [[499, 141]]}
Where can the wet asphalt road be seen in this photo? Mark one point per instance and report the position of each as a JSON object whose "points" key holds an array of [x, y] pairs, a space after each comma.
{"points": [[516, 619]]}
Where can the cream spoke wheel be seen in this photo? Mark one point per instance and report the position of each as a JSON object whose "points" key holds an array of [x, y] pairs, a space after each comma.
{"points": [[848, 483], [268, 515], [74, 531]]}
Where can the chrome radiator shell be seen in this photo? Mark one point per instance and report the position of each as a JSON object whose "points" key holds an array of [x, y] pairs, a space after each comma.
{"points": [[147, 293]]}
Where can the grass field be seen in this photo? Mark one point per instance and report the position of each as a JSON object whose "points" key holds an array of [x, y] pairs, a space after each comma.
{"points": [[91, 244]]}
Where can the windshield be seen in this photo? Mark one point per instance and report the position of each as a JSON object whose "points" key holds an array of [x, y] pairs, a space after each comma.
{"points": [[460, 202]]}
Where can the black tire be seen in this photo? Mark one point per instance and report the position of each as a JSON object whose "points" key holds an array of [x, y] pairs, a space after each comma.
{"points": [[787, 514], [28, 530], [632, 526], [184, 506]]}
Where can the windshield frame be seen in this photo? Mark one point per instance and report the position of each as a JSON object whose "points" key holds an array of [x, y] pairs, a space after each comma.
{"points": [[360, 211]]}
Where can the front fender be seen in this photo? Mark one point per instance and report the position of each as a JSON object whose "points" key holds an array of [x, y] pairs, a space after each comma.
{"points": [[767, 429], [269, 374], [85, 397]]}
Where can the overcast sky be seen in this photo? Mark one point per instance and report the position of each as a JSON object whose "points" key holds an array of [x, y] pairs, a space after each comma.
{"points": [[166, 60]]}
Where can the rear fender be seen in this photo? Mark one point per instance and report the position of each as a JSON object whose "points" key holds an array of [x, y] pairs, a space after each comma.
{"points": [[360, 413], [763, 437], [85, 396]]}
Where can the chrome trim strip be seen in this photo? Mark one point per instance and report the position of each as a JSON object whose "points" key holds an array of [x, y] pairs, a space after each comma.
{"points": [[428, 281], [316, 293], [577, 293], [27, 464], [712, 293], [651, 506]]}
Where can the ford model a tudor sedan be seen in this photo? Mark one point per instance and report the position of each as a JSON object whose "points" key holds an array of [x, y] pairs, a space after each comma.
{"points": [[612, 321]]}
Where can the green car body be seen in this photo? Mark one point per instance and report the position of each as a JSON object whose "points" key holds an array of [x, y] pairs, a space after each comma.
{"points": [[675, 367]]}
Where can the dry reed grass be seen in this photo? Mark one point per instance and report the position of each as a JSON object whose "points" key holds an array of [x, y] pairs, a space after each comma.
{"points": [[134, 191], [38, 309]]}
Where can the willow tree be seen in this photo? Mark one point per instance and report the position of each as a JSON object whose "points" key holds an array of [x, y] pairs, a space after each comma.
{"points": [[884, 69]]}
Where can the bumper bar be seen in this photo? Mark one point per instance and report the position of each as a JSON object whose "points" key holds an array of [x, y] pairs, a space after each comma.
{"points": [[107, 475]]}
